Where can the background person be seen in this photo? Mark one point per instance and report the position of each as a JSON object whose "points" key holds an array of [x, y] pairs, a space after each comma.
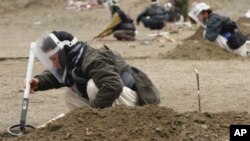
{"points": [[121, 25], [152, 17], [219, 29]]}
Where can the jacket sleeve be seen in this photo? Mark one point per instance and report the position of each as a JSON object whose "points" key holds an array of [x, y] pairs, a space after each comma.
{"points": [[107, 79], [47, 81], [213, 28], [143, 14]]}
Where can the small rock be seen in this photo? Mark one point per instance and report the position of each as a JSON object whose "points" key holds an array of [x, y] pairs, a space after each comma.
{"points": [[158, 129], [53, 128], [200, 120], [162, 45], [224, 126], [68, 135], [145, 42], [37, 23], [208, 115], [204, 126], [131, 45]]}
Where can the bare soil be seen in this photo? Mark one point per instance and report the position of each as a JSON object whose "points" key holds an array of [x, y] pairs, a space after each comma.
{"points": [[140, 123], [197, 48], [244, 26], [224, 77]]}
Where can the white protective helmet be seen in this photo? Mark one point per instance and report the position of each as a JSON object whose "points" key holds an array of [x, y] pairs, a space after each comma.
{"points": [[113, 3], [196, 9], [49, 45], [155, 2], [169, 5]]}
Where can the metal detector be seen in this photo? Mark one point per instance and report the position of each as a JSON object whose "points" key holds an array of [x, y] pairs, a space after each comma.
{"points": [[19, 129]]}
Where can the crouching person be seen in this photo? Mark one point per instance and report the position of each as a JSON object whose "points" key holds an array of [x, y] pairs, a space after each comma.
{"points": [[220, 29], [120, 25], [153, 17], [95, 77]]}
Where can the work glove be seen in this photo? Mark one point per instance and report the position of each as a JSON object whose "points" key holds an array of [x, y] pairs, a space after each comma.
{"points": [[34, 82]]}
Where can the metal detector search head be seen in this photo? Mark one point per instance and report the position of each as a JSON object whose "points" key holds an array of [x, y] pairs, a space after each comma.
{"points": [[19, 129]]}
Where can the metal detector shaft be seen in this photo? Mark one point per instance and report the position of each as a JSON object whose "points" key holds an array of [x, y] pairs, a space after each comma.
{"points": [[198, 89], [27, 90]]}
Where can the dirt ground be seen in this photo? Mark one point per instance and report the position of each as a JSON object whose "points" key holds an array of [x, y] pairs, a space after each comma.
{"points": [[142, 123], [224, 77]]}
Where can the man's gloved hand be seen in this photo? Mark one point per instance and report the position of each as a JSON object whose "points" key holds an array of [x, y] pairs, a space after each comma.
{"points": [[34, 82]]}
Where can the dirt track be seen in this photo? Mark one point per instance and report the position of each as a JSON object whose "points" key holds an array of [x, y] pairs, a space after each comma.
{"points": [[224, 82]]}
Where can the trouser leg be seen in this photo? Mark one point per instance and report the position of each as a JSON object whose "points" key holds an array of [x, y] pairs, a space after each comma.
{"points": [[73, 100], [127, 97], [223, 43], [242, 51], [127, 35]]}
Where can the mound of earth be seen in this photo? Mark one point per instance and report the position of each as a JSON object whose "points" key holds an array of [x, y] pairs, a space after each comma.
{"points": [[244, 26], [196, 47], [199, 50], [140, 123], [243, 20]]}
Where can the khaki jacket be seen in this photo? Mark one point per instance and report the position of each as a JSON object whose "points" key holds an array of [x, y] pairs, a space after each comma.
{"points": [[105, 68]]}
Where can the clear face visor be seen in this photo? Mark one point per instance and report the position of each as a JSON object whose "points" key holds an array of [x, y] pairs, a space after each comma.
{"points": [[194, 15], [47, 50], [195, 12]]}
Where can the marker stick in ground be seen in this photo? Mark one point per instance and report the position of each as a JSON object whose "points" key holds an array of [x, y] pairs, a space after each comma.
{"points": [[198, 90]]}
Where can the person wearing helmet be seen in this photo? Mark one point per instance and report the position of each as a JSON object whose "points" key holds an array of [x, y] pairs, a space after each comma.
{"points": [[95, 77], [153, 17], [219, 29], [121, 25]]}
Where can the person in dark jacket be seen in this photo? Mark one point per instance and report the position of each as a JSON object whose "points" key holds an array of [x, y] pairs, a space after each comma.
{"points": [[152, 17], [219, 29], [95, 77], [121, 25], [172, 14]]}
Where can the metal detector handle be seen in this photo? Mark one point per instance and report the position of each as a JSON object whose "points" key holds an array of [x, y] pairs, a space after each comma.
{"points": [[29, 72], [27, 90]]}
